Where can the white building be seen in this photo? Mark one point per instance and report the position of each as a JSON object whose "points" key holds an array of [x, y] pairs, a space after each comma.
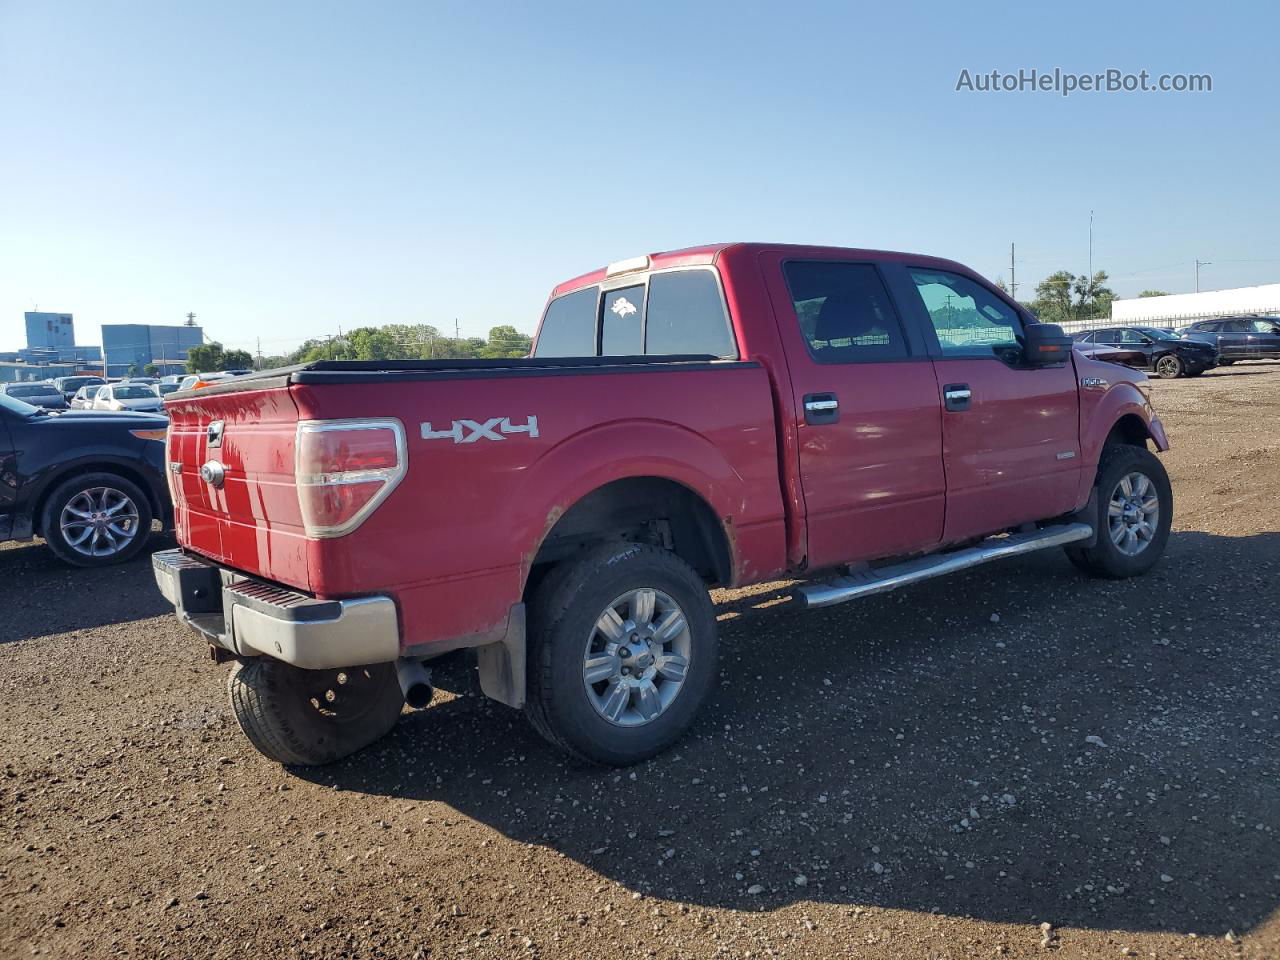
{"points": [[1178, 309]]}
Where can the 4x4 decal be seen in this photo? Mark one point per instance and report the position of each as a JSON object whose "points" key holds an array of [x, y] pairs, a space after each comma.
{"points": [[469, 431]]}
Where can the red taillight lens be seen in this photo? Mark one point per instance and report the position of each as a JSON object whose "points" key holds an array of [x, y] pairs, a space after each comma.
{"points": [[345, 469]]}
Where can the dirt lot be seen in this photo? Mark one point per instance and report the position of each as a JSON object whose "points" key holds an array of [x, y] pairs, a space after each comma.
{"points": [[931, 773]]}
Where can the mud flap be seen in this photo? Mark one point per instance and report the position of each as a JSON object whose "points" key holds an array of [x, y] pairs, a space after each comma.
{"points": [[502, 664]]}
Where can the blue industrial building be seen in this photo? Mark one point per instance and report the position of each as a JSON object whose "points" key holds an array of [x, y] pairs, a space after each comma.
{"points": [[126, 345], [49, 330]]}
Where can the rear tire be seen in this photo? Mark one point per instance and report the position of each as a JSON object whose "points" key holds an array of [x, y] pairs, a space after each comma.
{"points": [[639, 620], [1169, 367], [96, 519], [312, 717], [1130, 537]]}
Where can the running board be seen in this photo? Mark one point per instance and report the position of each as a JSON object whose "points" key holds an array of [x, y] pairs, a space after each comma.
{"points": [[866, 582]]}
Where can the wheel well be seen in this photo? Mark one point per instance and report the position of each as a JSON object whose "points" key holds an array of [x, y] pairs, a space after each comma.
{"points": [[1129, 430], [67, 473], [647, 510]]}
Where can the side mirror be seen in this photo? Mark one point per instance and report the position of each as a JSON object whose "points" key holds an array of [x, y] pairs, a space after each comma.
{"points": [[1044, 344]]}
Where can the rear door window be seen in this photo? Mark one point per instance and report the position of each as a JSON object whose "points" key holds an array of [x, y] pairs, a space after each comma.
{"points": [[569, 326], [844, 312]]}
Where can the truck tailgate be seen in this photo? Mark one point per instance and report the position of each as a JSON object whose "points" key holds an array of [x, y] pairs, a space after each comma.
{"points": [[248, 517]]}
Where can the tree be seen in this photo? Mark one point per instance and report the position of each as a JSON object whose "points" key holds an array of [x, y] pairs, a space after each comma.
{"points": [[205, 357], [132, 371], [507, 341], [1053, 298], [1154, 293], [237, 360], [151, 370]]}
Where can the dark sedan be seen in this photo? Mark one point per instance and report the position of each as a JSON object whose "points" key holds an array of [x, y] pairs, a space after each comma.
{"points": [[89, 482], [1238, 338], [1152, 348], [44, 395]]}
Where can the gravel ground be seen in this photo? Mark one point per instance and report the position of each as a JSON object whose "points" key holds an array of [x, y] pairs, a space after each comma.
{"points": [[1009, 762]]}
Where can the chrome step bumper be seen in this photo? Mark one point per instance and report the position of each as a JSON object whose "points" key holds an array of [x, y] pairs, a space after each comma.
{"points": [[252, 618], [866, 582]]}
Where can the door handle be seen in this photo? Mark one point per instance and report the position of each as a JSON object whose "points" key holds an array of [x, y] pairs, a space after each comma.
{"points": [[821, 408], [956, 396]]}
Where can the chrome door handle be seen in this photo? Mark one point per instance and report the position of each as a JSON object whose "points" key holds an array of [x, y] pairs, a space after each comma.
{"points": [[814, 406], [956, 396], [821, 409]]}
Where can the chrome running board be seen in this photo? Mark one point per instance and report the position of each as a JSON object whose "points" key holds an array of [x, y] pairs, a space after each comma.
{"points": [[866, 582]]}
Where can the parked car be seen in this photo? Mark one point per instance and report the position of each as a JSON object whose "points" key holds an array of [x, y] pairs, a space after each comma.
{"points": [[1238, 338], [163, 388], [1152, 348], [44, 395], [147, 380], [83, 399], [70, 386], [721, 415], [127, 396], [89, 483]]}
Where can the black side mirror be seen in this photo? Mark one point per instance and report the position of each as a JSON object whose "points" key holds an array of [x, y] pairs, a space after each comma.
{"points": [[1044, 344]]}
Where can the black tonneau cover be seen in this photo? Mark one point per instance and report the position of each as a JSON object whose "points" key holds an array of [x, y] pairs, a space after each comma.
{"points": [[363, 371]]}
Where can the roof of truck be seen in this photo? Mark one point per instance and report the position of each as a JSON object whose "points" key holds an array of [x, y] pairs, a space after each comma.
{"points": [[709, 253]]}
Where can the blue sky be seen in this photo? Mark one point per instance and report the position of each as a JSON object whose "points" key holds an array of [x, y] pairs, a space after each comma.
{"points": [[286, 169]]}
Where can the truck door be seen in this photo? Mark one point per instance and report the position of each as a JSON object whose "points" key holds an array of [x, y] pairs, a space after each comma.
{"points": [[1010, 433], [867, 413]]}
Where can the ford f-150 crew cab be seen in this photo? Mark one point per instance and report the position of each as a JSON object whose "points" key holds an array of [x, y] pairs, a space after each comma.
{"points": [[722, 415]]}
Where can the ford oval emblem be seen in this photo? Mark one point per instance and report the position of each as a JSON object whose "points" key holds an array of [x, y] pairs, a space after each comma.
{"points": [[213, 473]]}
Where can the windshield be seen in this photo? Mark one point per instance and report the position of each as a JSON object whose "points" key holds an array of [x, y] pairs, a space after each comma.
{"points": [[16, 406], [166, 387], [34, 390], [75, 383], [133, 393]]}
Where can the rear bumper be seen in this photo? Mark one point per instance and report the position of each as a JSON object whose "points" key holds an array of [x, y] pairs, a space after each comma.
{"points": [[251, 618]]}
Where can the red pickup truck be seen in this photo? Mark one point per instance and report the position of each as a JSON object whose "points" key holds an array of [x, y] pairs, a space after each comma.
{"points": [[715, 416]]}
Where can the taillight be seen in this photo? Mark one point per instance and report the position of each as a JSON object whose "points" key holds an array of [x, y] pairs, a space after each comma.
{"points": [[344, 469]]}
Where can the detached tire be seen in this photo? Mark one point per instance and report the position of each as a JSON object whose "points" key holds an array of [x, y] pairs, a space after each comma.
{"points": [[96, 519], [1169, 367], [1134, 513], [622, 653], [312, 717]]}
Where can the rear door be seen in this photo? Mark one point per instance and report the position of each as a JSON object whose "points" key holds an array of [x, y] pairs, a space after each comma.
{"points": [[868, 414], [1011, 436], [1233, 339]]}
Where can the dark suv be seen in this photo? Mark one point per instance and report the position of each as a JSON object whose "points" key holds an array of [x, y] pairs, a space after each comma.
{"points": [[89, 482], [1238, 338], [1152, 348]]}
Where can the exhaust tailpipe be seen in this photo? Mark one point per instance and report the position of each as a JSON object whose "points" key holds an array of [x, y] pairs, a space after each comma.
{"points": [[415, 682]]}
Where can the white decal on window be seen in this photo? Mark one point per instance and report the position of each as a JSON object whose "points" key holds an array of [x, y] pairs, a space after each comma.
{"points": [[469, 431], [623, 307]]}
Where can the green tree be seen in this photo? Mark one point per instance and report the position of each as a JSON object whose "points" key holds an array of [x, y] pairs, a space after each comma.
{"points": [[507, 341], [132, 371], [1093, 296], [1053, 298], [205, 358], [151, 370], [237, 360], [1154, 293]]}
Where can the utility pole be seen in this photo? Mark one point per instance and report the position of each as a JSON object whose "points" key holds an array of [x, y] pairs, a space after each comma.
{"points": [[1089, 281], [191, 319], [1013, 276], [259, 353], [1199, 264]]}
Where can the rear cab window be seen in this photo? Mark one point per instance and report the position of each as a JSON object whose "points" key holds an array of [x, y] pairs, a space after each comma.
{"points": [[844, 312], [665, 313]]}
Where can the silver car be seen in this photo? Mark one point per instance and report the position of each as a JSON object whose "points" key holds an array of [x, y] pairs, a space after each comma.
{"points": [[128, 396]]}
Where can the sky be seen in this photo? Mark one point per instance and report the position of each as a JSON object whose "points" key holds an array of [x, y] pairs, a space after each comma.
{"points": [[285, 170]]}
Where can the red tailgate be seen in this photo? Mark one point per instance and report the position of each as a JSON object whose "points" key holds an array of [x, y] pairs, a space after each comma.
{"points": [[243, 511]]}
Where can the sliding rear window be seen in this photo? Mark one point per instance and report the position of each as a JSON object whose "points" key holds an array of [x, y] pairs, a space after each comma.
{"points": [[670, 313]]}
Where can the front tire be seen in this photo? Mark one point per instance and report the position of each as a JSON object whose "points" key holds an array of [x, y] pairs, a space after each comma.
{"points": [[312, 717], [1133, 515], [96, 519], [1169, 367], [622, 653]]}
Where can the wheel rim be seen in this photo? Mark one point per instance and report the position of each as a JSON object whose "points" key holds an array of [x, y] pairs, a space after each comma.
{"points": [[1133, 513], [637, 657], [99, 522], [1167, 366], [340, 696]]}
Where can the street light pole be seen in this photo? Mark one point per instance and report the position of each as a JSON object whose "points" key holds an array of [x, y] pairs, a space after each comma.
{"points": [[1199, 264]]}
